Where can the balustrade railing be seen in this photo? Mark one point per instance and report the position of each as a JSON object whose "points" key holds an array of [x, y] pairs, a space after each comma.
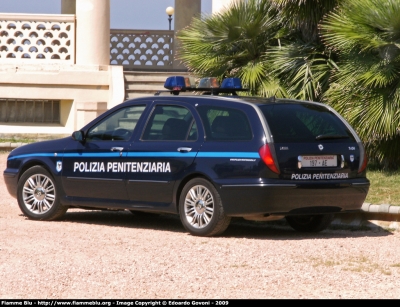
{"points": [[48, 38], [33, 37], [142, 49]]}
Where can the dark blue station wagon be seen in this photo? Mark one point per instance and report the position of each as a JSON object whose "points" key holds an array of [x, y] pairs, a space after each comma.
{"points": [[207, 158]]}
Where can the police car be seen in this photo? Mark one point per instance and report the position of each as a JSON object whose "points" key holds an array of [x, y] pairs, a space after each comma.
{"points": [[206, 158]]}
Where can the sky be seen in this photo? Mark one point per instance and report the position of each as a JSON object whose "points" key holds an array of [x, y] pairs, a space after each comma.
{"points": [[125, 14]]}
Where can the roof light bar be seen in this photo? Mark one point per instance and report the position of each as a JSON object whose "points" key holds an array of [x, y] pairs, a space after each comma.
{"points": [[209, 85]]}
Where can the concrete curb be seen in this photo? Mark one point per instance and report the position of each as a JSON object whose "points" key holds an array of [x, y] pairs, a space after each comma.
{"points": [[371, 216], [384, 208], [8, 146]]}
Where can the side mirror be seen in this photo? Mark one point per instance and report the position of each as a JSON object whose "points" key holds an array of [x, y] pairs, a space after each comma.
{"points": [[78, 136]]}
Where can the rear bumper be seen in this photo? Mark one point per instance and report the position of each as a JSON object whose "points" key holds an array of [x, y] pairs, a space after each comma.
{"points": [[294, 198]]}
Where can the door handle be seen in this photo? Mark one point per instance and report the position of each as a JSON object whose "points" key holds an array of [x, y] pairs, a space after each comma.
{"points": [[117, 148], [184, 149], [120, 149]]}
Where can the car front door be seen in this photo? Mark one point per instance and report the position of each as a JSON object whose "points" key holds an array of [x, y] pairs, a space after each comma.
{"points": [[94, 170], [163, 154]]}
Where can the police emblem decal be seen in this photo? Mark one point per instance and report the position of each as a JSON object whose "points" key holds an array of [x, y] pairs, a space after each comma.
{"points": [[59, 166], [351, 158]]}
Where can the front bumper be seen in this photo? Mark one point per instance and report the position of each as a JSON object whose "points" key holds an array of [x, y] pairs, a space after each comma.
{"points": [[11, 181]]}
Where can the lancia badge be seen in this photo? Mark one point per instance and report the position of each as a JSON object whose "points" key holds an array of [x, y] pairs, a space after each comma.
{"points": [[320, 147], [59, 166]]}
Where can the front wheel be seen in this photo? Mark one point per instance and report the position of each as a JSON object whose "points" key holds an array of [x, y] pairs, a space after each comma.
{"points": [[38, 196], [310, 223], [200, 209]]}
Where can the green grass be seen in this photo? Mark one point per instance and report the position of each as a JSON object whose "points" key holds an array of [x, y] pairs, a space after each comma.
{"points": [[17, 140], [354, 264], [384, 187]]}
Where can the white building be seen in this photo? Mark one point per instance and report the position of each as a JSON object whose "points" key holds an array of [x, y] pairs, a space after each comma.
{"points": [[58, 72]]}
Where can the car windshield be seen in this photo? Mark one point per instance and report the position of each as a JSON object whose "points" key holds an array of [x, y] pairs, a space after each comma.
{"points": [[293, 122]]}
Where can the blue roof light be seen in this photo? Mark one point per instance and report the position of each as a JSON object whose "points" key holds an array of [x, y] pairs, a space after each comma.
{"points": [[175, 83], [233, 83]]}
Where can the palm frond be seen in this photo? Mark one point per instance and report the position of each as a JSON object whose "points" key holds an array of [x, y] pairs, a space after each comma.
{"points": [[366, 34], [303, 69], [231, 42]]}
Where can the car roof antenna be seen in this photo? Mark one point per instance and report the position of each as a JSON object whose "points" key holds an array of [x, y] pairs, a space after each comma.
{"points": [[274, 96]]}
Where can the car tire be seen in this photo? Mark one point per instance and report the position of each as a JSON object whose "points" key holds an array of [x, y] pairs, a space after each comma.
{"points": [[201, 210], [38, 195], [310, 223]]}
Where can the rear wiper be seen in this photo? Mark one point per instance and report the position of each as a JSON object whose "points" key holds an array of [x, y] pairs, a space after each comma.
{"points": [[331, 136]]}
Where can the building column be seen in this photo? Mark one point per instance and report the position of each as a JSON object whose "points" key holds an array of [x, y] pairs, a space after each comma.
{"points": [[68, 7], [92, 32], [220, 5], [185, 10]]}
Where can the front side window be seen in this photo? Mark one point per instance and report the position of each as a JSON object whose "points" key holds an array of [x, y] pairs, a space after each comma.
{"points": [[170, 123], [225, 124], [118, 126]]}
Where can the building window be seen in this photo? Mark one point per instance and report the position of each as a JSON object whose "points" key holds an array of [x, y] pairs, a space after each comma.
{"points": [[29, 111]]}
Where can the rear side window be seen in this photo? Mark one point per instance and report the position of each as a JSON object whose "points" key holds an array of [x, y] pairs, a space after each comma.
{"points": [[170, 123], [304, 123], [225, 124]]}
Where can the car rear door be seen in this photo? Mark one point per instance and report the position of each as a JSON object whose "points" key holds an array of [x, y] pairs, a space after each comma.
{"points": [[162, 154]]}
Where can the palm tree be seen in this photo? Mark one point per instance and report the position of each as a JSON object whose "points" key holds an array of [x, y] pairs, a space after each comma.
{"points": [[366, 88], [303, 16], [303, 64], [235, 43], [271, 44]]}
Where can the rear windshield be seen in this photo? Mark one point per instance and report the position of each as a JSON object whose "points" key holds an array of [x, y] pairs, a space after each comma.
{"points": [[304, 123]]}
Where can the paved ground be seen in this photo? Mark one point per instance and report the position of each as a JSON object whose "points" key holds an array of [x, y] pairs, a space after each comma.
{"points": [[119, 255]]}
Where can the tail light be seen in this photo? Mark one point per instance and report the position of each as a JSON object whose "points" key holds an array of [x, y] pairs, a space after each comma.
{"points": [[363, 163], [266, 156], [363, 158]]}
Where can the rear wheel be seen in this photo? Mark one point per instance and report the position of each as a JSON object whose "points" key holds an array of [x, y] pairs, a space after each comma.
{"points": [[310, 223], [200, 209], [38, 196]]}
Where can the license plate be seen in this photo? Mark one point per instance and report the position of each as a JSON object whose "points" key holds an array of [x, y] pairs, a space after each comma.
{"points": [[318, 161]]}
